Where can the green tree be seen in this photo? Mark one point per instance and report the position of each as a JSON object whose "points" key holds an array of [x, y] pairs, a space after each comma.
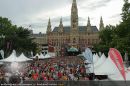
{"points": [[106, 36], [17, 38], [126, 11], [118, 36]]}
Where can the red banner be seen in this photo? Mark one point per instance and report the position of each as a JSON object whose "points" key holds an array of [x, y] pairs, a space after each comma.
{"points": [[117, 59]]}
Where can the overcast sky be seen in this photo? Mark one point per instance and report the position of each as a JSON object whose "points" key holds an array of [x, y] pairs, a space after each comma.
{"points": [[37, 12]]}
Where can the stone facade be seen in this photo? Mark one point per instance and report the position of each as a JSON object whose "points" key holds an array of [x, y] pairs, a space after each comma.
{"points": [[77, 36]]}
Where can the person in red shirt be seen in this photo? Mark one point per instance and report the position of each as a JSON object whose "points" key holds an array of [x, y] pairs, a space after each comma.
{"points": [[50, 78], [59, 75], [45, 78], [35, 76], [52, 69], [43, 75]]}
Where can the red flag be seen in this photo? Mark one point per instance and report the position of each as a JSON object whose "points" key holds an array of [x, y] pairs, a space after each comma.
{"points": [[117, 59]]}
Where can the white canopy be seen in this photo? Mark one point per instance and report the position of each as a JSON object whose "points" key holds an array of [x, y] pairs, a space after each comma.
{"points": [[47, 56], [11, 58], [22, 58], [100, 61], [36, 55], [107, 68], [95, 58], [41, 56], [118, 76], [1, 63]]}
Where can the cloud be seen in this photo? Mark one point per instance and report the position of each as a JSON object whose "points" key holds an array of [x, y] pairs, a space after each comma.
{"points": [[37, 12], [95, 4], [115, 15]]}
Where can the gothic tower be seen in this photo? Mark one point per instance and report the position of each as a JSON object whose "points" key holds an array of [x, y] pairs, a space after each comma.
{"points": [[89, 29], [74, 16], [49, 26], [61, 28], [74, 24], [101, 26]]}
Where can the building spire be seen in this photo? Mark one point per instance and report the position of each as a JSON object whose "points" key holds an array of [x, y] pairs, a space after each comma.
{"points": [[49, 26], [74, 1], [89, 29], [88, 24], [101, 26], [74, 16], [61, 20], [61, 25]]}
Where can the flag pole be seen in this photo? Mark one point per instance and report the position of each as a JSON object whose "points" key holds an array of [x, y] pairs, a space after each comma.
{"points": [[125, 82], [93, 67]]}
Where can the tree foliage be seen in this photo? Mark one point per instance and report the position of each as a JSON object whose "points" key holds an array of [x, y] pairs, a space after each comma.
{"points": [[117, 36], [17, 38]]}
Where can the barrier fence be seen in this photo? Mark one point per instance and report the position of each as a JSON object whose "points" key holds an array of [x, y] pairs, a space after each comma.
{"points": [[72, 83]]}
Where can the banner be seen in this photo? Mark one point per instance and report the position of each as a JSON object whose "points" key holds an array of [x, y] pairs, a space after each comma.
{"points": [[88, 55], [89, 60], [116, 57]]}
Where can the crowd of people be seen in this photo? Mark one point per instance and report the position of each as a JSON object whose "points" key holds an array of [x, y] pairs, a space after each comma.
{"points": [[58, 68]]}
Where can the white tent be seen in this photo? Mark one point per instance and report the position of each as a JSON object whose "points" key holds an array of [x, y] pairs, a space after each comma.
{"points": [[107, 68], [97, 62], [1, 63], [36, 55], [47, 56], [100, 61], [95, 58], [11, 58], [41, 56], [22, 58], [118, 76]]}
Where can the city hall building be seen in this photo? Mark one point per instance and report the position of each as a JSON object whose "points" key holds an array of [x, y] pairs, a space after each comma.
{"points": [[73, 38]]}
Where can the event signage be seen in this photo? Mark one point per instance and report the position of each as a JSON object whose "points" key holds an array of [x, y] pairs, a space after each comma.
{"points": [[116, 57]]}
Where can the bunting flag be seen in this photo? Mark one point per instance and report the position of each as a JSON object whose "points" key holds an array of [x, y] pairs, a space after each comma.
{"points": [[116, 57]]}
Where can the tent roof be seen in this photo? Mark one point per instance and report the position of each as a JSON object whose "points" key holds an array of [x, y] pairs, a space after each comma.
{"points": [[73, 49], [100, 61], [107, 68], [11, 58], [22, 58], [36, 55], [95, 58], [41, 56], [47, 56]]}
